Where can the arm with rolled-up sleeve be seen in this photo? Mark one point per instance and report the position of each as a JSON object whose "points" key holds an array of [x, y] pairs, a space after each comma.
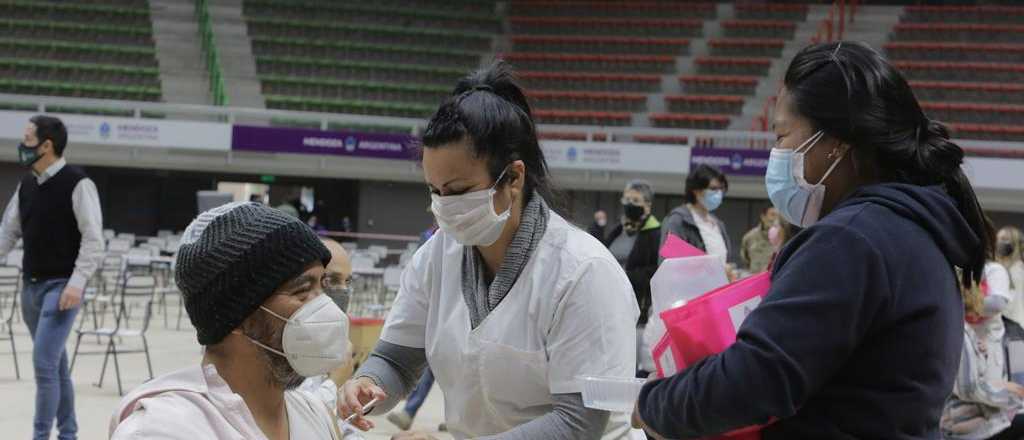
{"points": [[10, 228], [85, 202]]}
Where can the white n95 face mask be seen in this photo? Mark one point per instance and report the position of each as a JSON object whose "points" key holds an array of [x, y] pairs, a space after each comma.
{"points": [[315, 338], [470, 218], [799, 202]]}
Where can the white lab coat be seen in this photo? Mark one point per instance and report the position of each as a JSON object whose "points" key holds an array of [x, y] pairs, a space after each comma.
{"points": [[991, 331], [571, 312], [1016, 309]]}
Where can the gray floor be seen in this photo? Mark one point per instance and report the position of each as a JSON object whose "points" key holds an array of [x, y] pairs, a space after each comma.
{"points": [[170, 350]]}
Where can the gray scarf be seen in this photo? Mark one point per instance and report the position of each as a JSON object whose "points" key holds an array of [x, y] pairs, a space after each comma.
{"points": [[480, 298]]}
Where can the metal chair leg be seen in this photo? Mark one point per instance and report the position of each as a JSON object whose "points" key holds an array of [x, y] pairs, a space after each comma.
{"points": [[181, 306], [74, 355], [14, 352], [103, 370], [149, 364], [117, 369]]}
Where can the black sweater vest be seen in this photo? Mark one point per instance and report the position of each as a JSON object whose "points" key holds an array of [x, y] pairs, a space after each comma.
{"points": [[48, 225]]}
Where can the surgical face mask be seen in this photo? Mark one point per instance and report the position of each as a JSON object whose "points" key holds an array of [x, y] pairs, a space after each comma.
{"points": [[27, 156], [470, 217], [713, 199], [1004, 249], [632, 212], [799, 202], [315, 338], [340, 295], [602, 222]]}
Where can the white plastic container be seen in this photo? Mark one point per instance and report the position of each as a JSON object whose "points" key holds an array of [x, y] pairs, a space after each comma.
{"points": [[614, 394]]}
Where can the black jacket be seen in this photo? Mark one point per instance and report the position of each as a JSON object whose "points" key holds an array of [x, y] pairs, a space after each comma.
{"points": [[680, 223], [858, 338], [642, 262]]}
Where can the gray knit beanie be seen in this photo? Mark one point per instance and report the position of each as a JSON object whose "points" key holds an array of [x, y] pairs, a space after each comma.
{"points": [[233, 257]]}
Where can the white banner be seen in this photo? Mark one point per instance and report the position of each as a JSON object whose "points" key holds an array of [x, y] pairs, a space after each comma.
{"points": [[130, 132], [617, 156]]}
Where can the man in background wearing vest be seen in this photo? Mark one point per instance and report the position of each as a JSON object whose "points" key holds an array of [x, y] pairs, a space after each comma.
{"points": [[56, 210]]}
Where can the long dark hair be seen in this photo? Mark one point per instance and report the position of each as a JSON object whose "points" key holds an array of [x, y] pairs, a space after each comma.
{"points": [[489, 108], [853, 94]]}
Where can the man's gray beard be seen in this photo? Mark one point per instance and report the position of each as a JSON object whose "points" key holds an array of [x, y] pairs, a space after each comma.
{"points": [[279, 371]]}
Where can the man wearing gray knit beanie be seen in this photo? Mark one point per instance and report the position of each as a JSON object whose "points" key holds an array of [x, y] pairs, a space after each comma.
{"points": [[252, 281]]}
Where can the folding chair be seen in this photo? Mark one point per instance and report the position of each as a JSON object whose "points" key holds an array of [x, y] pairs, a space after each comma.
{"points": [[10, 287], [137, 289]]}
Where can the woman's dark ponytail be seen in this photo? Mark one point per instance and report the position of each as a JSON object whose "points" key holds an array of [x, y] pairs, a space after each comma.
{"points": [[875, 111], [489, 108]]}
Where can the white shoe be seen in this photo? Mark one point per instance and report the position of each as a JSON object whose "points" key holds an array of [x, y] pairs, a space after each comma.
{"points": [[401, 419]]}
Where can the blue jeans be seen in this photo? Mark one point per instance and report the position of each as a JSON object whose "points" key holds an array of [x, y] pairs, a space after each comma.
{"points": [[50, 327], [419, 394]]}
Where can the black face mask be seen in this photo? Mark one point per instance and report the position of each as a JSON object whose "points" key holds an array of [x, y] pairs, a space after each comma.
{"points": [[1004, 249], [27, 156], [633, 212]]}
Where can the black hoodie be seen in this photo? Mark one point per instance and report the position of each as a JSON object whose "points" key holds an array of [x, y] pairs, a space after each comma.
{"points": [[858, 338]]}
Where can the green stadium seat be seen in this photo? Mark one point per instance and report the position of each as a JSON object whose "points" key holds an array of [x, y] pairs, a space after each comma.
{"points": [[78, 52], [592, 63], [353, 90], [97, 34], [82, 72], [269, 46], [76, 13], [457, 6], [601, 45], [402, 109], [366, 14], [356, 70], [458, 40]]}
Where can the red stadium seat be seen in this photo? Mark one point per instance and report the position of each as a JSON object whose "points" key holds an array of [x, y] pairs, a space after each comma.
{"points": [[1006, 153], [583, 118], [981, 33], [972, 113], [720, 104], [976, 72], [968, 91], [660, 139], [749, 47], [733, 66], [771, 12], [607, 26], [570, 136], [623, 45], [964, 14], [930, 51], [590, 81], [594, 101], [613, 9], [592, 63], [682, 120], [719, 84], [988, 132], [759, 28]]}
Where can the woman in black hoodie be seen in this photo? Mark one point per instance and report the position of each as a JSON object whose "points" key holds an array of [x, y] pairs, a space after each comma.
{"points": [[860, 334]]}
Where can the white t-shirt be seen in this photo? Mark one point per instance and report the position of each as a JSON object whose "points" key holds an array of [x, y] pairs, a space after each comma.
{"points": [[714, 244]]}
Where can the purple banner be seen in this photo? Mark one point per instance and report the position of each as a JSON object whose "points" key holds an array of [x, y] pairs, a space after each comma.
{"points": [[731, 161], [311, 141]]}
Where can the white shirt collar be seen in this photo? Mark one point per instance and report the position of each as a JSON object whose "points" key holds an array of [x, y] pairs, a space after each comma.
{"points": [[51, 171]]}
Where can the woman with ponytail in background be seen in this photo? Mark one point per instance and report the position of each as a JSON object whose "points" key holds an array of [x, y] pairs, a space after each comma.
{"points": [[860, 334]]}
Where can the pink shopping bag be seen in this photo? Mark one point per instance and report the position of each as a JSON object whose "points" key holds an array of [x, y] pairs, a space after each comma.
{"points": [[707, 325]]}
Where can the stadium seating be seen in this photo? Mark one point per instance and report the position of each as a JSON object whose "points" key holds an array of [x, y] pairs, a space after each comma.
{"points": [[978, 33], [551, 8], [965, 14], [929, 51], [582, 117], [591, 101], [590, 81], [732, 66], [79, 48], [771, 12], [646, 27], [968, 91], [976, 72], [758, 47], [714, 104], [391, 57], [759, 29], [719, 85], [592, 63], [602, 45], [688, 120]]}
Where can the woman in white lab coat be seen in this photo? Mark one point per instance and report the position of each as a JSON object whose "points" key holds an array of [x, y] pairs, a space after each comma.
{"points": [[508, 303]]}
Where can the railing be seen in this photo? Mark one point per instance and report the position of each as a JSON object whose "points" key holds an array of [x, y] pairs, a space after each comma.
{"points": [[209, 46], [703, 138]]}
